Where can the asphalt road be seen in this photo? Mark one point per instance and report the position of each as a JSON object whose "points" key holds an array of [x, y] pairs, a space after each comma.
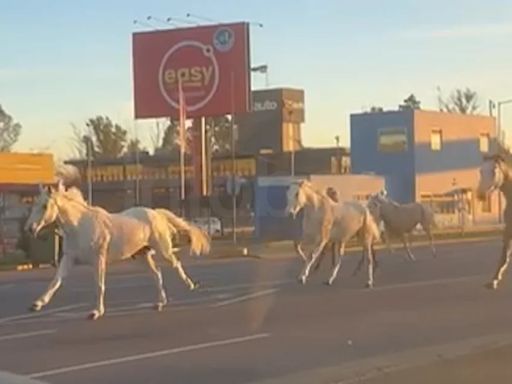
{"points": [[251, 322]]}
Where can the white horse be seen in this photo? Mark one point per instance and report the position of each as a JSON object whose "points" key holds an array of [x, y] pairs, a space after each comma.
{"points": [[95, 237], [401, 219], [325, 220], [495, 175]]}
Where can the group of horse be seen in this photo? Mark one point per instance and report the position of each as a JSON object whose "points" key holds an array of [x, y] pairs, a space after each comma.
{"points": [[327, 220], [96, 237]]}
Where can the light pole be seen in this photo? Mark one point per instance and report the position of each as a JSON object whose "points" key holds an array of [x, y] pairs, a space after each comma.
{"points": [[500, 133], [261, 69], [88, 151]]}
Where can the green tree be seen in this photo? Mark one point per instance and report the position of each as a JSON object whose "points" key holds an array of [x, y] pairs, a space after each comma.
{"points": [[465, 101], [109, 138], [9, 131], [411, 102]]}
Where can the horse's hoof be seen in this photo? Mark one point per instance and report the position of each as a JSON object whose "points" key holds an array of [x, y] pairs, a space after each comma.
{"points": [[302, 280], [493, 285], [328, 283], [159, 307], [94, 315], [369, 285], [36, 307], [195, 286]]}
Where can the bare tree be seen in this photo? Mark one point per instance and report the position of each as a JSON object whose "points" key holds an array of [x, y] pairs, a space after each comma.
{"points": [[465, 101], [9, 131], [78, 146]]}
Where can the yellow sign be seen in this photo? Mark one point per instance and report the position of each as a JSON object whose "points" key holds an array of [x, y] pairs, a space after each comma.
{"points": [[26, 168]]}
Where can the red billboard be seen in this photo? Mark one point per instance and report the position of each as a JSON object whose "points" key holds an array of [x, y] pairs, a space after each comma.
{"points": [[212, 63]]}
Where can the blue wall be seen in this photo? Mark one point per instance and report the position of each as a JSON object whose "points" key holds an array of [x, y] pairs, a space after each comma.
{"points": [[271, 221], [397, 168]]}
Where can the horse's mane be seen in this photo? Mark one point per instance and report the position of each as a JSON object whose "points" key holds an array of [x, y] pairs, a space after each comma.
{"points": [[321, 195], [75, 194]]}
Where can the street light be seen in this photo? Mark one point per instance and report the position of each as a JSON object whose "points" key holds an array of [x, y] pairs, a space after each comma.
{"points": [[261, 69], [501, 136]]}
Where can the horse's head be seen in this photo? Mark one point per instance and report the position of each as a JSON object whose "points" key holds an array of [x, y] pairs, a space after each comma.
{"points": [[493, 172], [296, 197], [44, 210], [374, 203]]}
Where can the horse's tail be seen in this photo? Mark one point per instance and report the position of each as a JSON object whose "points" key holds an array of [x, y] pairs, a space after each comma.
{"points": [[199, 240]]}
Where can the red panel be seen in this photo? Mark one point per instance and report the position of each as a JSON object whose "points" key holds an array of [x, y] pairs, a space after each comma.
{"points": [[207, 59]]}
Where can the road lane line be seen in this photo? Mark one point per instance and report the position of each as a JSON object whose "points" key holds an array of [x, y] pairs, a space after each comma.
{"points": [[249, 285], [126, 359], [39, 314], [27, 334], [245, 297]]}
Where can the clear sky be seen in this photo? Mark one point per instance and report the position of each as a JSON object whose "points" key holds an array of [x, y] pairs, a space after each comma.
{"points": [[63, 61]]}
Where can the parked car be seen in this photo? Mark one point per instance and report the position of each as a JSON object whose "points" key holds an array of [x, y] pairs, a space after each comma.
{"points": [[211, 225]]}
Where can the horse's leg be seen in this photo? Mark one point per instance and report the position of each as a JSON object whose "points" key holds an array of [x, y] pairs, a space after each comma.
{"points": [[359, 264], [314, 257], [388, 242], [62, 272], [320, 258], [100, 272], [299, 250], [371, 259], [505, 259], [405, 240], [167, 252], [336, 268], [157, 274]]}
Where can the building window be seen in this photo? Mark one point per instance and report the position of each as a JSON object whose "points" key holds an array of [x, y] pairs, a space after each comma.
{"points": [[392, 140], [484, 142], [436, 140], [487, 204]]}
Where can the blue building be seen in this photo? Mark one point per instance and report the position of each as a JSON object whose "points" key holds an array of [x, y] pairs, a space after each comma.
{"points": [[424, 155]]}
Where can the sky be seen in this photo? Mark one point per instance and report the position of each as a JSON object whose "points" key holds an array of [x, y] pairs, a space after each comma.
{"points": [[62, 61]]}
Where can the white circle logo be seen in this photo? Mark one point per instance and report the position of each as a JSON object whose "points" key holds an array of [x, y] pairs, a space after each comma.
{"points": [[194, 64], [224, 39]]}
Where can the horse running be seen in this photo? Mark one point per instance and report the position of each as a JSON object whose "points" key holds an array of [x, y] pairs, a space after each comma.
{"points": [[400, 219], [325, 220], [94, 236], [496, 175]]}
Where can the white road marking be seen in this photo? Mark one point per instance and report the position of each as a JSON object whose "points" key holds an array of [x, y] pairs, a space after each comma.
{"points": [[143, 356], [253, 285], [39, 314], [27, 334], [245, 297]]}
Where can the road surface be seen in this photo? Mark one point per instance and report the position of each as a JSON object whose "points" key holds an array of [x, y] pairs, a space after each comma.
{"points": [[251, 322]]}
